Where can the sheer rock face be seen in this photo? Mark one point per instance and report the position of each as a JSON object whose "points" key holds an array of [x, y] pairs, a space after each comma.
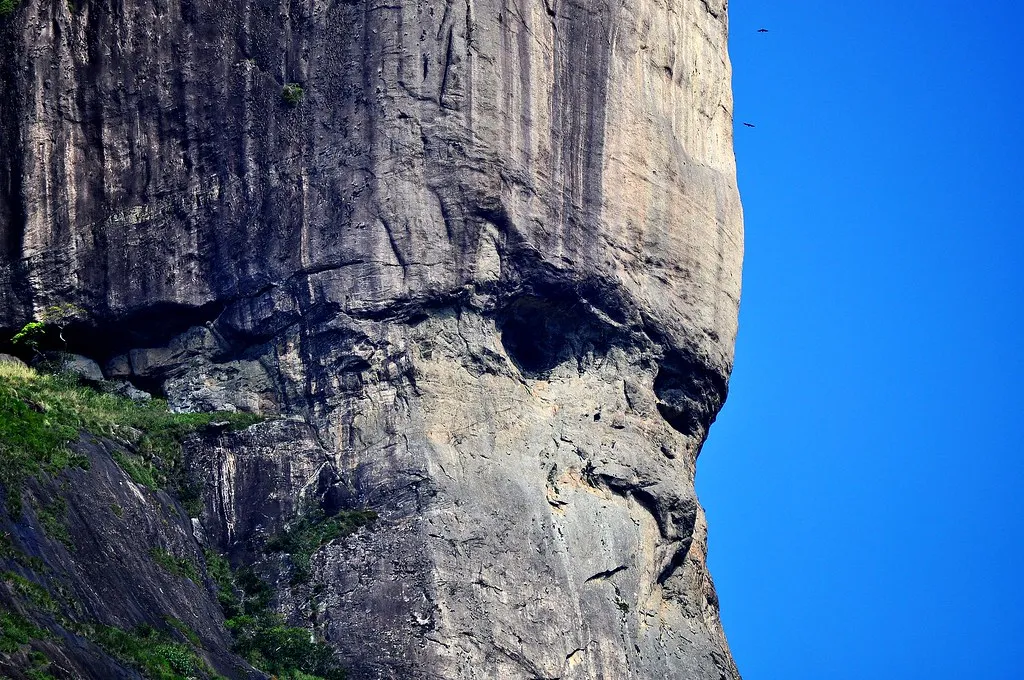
{"points": [[491, 258]]}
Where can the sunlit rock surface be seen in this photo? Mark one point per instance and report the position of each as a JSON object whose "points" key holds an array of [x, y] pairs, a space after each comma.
{"points": [[486, 269]]}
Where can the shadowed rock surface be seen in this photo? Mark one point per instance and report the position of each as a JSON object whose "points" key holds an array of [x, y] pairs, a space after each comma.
{"points": [[100, 569], [486, 268]]}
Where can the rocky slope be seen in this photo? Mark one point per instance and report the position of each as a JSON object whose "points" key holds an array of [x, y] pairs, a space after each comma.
{"points": [[480, 265], [93, 555]]}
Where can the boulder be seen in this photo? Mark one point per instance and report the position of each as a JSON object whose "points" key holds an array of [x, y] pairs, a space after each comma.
{"points": [[82, 366], [11, 359]]}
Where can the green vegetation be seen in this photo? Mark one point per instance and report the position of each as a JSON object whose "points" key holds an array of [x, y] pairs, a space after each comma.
{"points": [[190, 495], [32, 440], [30, 590], [262, 636], [53, 519], [141, 472], [151, 651], [30, 335], [40, 663], [53, 320], [16, 630], [9, 552], [281, 650], [311, 532], [189, 634], [292, 94], [8, 7], [219, 570], [41, 414], [179, 566], [155, 653]]}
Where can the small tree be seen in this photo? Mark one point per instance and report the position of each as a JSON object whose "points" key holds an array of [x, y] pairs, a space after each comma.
{"points": [[53, 319], [292, 94], [8, 7], [30, 335]]}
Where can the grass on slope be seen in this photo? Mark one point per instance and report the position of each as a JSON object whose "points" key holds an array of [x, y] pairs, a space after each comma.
{"points": [[313, 531], [40, 414], [262, 636], [153, 652]]}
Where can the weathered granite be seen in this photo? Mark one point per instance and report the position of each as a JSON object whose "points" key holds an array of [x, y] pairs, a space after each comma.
{"points": [[491, 258]]}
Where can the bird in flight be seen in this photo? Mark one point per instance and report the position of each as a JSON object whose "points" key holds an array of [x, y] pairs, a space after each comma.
{"points": [[762, 30], [750, 125]]}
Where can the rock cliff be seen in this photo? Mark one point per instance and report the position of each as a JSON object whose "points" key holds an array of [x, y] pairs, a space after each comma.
{"points": [[477, 263]]}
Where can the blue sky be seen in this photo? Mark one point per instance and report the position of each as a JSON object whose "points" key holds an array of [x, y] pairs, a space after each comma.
{"points": [[865, 482]]}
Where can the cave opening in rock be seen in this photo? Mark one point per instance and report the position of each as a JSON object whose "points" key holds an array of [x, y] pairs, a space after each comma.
{"points": [[539, 334], [689, 394]]}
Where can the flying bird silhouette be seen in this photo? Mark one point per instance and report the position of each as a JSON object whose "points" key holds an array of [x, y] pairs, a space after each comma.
{"points": [[750, 125], [762, 30]]}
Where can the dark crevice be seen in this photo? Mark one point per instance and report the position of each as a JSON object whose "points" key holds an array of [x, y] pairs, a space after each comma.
{"points": [[153, 326], [494, 211], [605, 575], [689, 393], [13, 214], [676, 517], [447, 67], [677, 560], [541, 333]]}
